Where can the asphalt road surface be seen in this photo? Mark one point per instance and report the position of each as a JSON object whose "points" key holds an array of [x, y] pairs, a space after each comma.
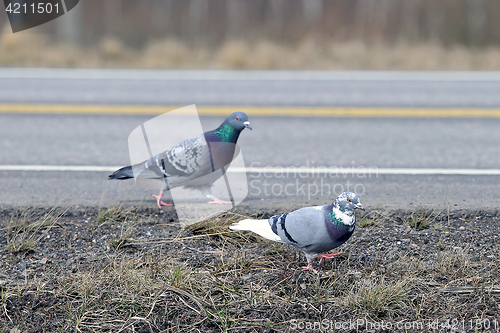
{"points": [[312, 142], [370, 89]]}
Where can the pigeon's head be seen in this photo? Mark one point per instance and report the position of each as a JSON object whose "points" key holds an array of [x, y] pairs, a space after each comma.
{"points": [[348, 201], [239, 121]]}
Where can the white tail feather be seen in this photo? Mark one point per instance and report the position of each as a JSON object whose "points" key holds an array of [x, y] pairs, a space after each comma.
{"points": [[260, 227]]}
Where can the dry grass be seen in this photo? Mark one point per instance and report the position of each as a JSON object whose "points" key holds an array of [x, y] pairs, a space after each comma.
{"points": [[218, 228], [26, 229], [125, 218], [374, 218], [378, 296], [367, 222], [152, 293], [115, 214], [456, 263], [422, 219], [419, 221], [232, 281], [31, 49]]}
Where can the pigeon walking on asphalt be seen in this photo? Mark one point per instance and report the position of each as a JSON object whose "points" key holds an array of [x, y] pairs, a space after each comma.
{"points": [[193, 162], [314, 230]]}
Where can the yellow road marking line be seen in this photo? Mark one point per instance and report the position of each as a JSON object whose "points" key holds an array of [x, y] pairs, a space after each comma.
{"points": [[281, 111]]}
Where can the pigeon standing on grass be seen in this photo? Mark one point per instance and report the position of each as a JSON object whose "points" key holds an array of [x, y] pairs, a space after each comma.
{"points": [[314, 230], [193, 162]]}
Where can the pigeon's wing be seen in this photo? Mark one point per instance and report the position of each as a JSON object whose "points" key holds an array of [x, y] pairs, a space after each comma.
{"points": [[187, 160], [304, 228]]}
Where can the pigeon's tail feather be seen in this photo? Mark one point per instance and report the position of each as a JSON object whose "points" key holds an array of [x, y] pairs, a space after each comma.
{"points": [[260, 227], [123, 173]]}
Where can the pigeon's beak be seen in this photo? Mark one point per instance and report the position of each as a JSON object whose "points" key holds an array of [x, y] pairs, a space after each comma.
{"points": [[247, 125], [359, 205]]}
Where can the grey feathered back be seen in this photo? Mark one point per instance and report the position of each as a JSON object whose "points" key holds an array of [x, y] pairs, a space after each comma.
{"points": [[304, 228], [187, 160]]}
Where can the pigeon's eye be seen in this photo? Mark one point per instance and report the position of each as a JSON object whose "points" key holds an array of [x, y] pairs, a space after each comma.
{"points": [[237, 118], [349, 199]]}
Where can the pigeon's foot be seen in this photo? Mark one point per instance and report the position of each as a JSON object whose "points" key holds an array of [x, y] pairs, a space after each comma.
{"points": [[326, 256], [160, 202], [309, 267], [219, 201]]}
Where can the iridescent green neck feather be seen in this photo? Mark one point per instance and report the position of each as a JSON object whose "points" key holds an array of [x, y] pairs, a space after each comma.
{"points": [[226, 133], [334, 219]]}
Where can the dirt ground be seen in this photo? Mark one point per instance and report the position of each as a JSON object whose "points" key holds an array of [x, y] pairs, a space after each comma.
{"points": [[116, 270]]}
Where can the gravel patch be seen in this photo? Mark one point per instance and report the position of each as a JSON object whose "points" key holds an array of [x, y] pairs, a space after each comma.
{"points": [[113, 270]]}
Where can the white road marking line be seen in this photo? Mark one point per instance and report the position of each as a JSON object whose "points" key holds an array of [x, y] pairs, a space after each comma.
{"points": [[88, 168], [291, 171], [367, 171]]}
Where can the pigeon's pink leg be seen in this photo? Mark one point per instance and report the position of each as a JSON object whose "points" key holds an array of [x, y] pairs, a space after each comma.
{"points": [[326, 256], [309, 267], [218, 201], [159, 201]]}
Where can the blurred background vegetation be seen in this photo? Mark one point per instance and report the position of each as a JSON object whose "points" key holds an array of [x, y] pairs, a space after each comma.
{"points": [[264, 34]]}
